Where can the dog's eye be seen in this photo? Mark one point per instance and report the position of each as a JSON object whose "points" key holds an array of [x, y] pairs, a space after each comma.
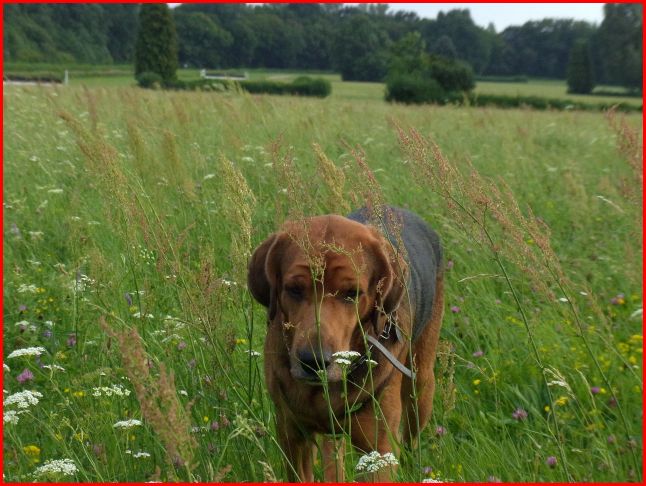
{"points": [[351, 296], [295, 292]]}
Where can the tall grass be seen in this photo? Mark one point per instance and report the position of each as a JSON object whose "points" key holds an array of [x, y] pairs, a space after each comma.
{"points": [[139, 209]]}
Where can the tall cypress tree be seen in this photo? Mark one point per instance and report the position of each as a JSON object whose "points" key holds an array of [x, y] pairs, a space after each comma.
{"points": [[579, 71], [156, 47]]}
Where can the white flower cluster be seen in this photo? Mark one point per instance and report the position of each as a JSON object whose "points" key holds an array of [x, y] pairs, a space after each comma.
{"points": [[109, 391], [37, 351], [54, 367], [23, 399], [6, 368], [32, 289], [252, 353], [66, 467], [374, 461], [127, 424], [81, 283], [11, 417], [139, 454], [345, 358]]}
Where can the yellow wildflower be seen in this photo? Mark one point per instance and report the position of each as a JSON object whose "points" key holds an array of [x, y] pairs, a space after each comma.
{"points": [[477, 382], [31, 450], [561, 401]]}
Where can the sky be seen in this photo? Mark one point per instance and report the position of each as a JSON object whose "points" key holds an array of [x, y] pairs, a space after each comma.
{"points": [[503, 15]]}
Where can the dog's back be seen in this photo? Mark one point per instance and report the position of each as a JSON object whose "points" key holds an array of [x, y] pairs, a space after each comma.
{"points": [[423, 255]]}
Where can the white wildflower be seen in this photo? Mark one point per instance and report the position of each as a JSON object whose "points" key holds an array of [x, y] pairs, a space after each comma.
{"points": [[343, 362], [208, 176], [37, 351], [430, 480], [252, 353], [66, 467], [127, 424], [349, 355], [6, 368], [563, 299], [139, 454], [36, 235], [55, 191], [372, 362], [183, 392], [138, 315], [108, 391], [375, 461], [22, 324], [10, 417], [54, 367], [32, 289], [23, 399]]}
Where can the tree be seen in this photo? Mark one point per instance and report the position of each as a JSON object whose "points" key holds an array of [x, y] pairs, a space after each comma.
{"points": [[580, 78], [201, 40], [444, 48], [156, 46], [361, 49], [620, 44]]}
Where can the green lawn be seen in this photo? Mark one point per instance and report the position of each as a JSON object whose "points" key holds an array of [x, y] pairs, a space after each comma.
{"points": [[132, 212]]}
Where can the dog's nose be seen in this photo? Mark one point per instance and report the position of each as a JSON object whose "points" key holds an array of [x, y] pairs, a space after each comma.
{"points": [[313, 362]]}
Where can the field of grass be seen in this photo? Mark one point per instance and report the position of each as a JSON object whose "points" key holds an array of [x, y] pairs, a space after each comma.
{"points": [[129, 216], [120, 75]]}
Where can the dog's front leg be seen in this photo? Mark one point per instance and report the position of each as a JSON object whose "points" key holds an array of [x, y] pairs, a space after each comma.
{"points": [[333, 452], [298, 450]]}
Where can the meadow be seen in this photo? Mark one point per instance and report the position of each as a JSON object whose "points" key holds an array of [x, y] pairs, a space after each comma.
{"points": [[133, 350]]}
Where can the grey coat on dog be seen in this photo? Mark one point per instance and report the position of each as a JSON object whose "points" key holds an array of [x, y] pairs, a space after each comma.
{"points": [[423, 255]]}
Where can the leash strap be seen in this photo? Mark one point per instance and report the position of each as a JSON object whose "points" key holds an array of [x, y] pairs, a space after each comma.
{"points": [[390, 357]]}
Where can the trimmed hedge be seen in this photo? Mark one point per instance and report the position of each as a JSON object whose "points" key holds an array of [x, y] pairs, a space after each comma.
{"points": [[302, 86], [417, 92], [503, 79], [36, 77]]}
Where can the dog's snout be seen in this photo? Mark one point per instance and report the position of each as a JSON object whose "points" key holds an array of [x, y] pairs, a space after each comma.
{"points": [[313, 361]]}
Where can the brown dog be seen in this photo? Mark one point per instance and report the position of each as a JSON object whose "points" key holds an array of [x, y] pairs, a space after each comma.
{"points": [[334, 284]]}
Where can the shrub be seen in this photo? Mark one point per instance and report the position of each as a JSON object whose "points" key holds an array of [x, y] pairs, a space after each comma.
{"points": [[406, 88], [452, 75], [156, 46], [149, 79]]}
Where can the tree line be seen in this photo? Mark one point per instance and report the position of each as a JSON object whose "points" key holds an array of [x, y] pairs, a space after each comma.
{"points": [[353, 40]]}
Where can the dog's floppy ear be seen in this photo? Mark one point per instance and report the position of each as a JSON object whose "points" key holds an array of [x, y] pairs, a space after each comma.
{"points": [[389, 276], [263, 274]]}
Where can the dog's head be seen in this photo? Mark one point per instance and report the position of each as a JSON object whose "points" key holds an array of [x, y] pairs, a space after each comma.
{"points": [[321, 279]]}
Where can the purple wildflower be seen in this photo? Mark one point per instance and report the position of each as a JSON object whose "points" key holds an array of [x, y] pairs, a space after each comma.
{"points": [[181, 345], [215, 425], [551, 461], [427, 470], [612, 439], [612, 403], [26, 375], [128, 298], [498, 301], [618, 299], [191, 363], [47, 333], [478, 354], [22, 308], [440, 431], [224, 420], [71, 340], [519, 414], [449, 264], [455, 309], [595, 390]]}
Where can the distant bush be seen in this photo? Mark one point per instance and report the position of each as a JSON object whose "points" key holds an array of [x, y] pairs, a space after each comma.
{"points": [[503, 79], [149, 79], [540, 103], [36, 77], [406, 88], [452, 75], [303, 86], [414, 76]]}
